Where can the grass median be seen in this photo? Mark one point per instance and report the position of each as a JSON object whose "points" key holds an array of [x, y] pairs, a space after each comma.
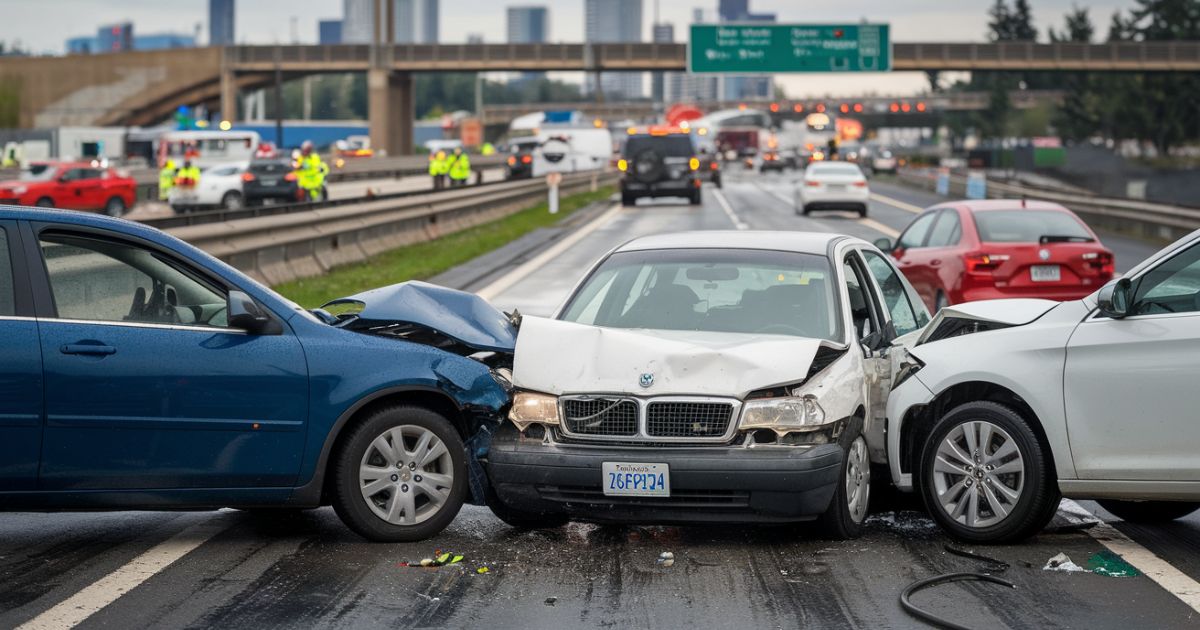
{"points": [[425, 260]]}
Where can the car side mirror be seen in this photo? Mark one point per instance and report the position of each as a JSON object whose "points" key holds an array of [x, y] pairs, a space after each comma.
{"points": [[1115, 298], [245, 314], [884, 244]]}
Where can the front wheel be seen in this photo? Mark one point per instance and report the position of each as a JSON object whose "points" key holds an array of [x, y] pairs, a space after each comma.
{"points": [[985, 477], [232, 201], [400, 475], [844, 517], [1149, 511]]}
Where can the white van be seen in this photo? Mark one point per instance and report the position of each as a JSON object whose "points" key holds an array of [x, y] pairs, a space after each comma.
{"points": [[207, 148], [570, 150]]}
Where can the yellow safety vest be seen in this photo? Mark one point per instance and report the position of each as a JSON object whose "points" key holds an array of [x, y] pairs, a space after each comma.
{"points": [[166, 181], [460, 166]]}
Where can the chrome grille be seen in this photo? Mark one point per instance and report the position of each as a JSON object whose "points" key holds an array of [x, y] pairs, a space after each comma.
{"points": [[601, 416], [687, 419]]}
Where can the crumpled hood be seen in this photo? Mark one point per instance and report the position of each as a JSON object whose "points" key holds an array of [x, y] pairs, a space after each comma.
{"points": [[461, 316], [557, 357], [1011, 312]]}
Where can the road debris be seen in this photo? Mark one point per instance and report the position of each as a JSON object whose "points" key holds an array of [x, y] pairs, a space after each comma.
{"points": [[1062, 562], [666, 558], [1111, 564], [550, 601], [993, 566], [1071, 517]]}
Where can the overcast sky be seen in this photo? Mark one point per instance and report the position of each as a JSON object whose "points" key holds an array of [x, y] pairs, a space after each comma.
{"points": [[44, 25]]}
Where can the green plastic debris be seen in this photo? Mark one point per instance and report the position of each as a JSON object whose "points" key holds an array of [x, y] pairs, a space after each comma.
{"points": [[1110, 564]]}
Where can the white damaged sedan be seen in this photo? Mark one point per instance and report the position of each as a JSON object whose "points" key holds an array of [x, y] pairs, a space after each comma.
{"points": [[707, 377]]}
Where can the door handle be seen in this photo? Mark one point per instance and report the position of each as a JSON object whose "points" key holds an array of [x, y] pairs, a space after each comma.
{"points": [[86, 348], [935, 262]]}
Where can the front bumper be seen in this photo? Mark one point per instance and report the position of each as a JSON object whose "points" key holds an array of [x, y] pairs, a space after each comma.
{"points": [[726, 484]]}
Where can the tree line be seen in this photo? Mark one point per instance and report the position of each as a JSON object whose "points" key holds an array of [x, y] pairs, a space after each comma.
{"points": [[1156, 108]]}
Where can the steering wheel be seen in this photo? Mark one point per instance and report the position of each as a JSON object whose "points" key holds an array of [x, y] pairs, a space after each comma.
{"points": [[782, 329]]}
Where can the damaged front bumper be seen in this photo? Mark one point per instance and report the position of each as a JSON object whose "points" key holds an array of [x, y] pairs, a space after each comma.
{"points": [[709, 484]]}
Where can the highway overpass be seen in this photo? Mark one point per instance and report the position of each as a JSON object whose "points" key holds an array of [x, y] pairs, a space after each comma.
{"points": [[138, 88]]}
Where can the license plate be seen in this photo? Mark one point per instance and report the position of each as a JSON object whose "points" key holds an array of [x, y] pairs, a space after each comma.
{"points": [[270, 182], [835, 187], [635, 480], [1045, 273]]}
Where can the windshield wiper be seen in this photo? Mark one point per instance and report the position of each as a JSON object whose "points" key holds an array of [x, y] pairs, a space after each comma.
{"points": [[1063, 238]]}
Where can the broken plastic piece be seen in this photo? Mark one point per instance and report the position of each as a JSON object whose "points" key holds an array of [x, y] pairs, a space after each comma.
{"points": [[1062, 562], [481, 570], [550, 601], [427, 562]]}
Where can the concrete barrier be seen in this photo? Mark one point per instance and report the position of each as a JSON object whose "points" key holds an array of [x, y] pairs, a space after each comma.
{"points": [[275, 249]]}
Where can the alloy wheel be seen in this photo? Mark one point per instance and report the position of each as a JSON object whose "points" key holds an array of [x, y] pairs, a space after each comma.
{"points": [[978, 474], [858, 480], [406, 475]]}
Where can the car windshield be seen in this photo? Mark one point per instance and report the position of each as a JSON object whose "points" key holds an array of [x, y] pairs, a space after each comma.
{"points": [[714, 290], [667, 146], [1027, 226], [39, 173], [834, 169]]}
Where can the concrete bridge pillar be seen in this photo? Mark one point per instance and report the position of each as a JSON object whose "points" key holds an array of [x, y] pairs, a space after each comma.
{"points": [[229, 95], [390, 110]]}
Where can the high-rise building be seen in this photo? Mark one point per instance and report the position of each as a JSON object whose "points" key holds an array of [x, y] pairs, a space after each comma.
{"points": [[607, 21], [662, 33], [358, 20], [528, 25], [329, 32], [220, 23], [114, 38], [744, 87]]}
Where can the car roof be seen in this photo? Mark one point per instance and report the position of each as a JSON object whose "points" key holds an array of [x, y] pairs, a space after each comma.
{"points": [[986, 205], [73, 217], [803, 242]]}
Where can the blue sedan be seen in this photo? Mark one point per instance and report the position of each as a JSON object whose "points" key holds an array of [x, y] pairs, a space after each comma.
{"points": [[138, 372]]}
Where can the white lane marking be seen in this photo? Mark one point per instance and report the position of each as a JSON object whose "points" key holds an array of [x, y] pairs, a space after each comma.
{"points": [[896, 203], [871, 223], [1173, 580], [533, 264], [78, 607], [733, 217]]}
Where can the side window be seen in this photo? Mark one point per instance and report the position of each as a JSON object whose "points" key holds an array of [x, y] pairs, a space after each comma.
{"points": [[74, 174], [947, 231], [7, 304], [914, 236], [896, 296], [861, 309], [100, 280], [1172, 287]]}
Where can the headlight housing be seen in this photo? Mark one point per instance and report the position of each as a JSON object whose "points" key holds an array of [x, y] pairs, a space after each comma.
{"points": [[782, 414], [531, 407], [20, 190]]}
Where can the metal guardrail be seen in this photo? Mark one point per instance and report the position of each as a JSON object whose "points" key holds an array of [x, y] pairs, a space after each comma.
{"points": [[1153, 221], [285, 247]]}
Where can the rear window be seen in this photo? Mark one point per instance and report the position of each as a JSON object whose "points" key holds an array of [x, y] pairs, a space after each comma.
{"points": [[1027, 226], [834, 169], [667, 146], [267, 168]]}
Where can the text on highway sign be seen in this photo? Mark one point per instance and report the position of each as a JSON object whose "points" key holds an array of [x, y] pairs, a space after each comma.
{"points": [[758, 48]]}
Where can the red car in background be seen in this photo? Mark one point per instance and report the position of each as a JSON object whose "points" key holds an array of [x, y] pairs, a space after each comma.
{"points": [[72, 186], [988, 249]]}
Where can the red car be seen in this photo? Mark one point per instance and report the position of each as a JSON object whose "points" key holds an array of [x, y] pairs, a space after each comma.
{"points": [[980, 250], [72, 186]]}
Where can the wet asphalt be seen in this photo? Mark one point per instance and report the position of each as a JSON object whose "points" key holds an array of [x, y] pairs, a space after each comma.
{"points": [[307, 570]]}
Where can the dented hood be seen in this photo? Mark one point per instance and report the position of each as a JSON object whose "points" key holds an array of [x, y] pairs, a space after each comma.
{"points": [[461, 316], [557, 357], [1014, 312]]}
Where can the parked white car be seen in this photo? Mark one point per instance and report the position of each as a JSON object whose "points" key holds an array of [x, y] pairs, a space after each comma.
{"points": [[833, 186], [1002, 406], [220, 187], [707, 377]]}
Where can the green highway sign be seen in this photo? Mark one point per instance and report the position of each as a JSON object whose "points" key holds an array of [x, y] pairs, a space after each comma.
{"points": [[759, 48]]}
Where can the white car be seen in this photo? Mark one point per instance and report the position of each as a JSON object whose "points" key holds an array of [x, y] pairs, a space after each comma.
{"points": [[833, 186], [1002, 406], [883, 162], [220, 187], [707, 377]]}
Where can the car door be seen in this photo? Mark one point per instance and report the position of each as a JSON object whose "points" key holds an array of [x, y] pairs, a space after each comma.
{"points": [[146, 386], [87, 189], [20, 369], [869, 323], [1130, 384], [911, 257], [944, 264]]}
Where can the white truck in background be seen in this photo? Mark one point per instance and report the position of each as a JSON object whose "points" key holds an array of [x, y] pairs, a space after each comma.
{"points": [[571, 150]]}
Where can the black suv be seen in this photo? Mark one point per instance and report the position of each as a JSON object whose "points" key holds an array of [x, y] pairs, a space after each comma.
{"points": [[270, 181], [659, 165]]}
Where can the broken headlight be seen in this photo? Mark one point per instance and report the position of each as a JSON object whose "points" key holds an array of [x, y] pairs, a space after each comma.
{"points": [[531, 407], [782, 414]]}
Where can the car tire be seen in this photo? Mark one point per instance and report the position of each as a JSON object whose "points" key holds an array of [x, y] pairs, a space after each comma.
{"points": [[717, 182], [382, 516], [695, 199], [862, 211], [951, 473], [114, 207], [628, 199], [522, 519], [1148, 511], [847, 511], [232, 200], [45, 202], [805, 210]]}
